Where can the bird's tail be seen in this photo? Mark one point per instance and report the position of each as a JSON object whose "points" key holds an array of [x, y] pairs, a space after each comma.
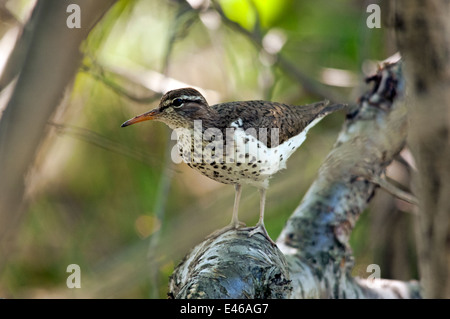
{"points": [[330, 108]]}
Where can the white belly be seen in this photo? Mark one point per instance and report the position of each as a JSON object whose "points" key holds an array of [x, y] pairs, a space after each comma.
{"points": [[242, 160]]}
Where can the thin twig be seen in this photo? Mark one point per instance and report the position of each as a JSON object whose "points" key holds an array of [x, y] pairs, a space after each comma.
{"points": [[179, 31], [106, 143], [99, 72], [159, 209], [182, 22], [394, 190]]}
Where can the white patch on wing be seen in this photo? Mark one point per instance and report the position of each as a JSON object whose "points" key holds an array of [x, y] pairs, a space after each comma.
{"points": [[269, 160], [237, 124]]}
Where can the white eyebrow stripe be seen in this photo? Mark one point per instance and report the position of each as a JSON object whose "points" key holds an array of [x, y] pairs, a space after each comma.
{"points": [[183, 97], [190, 97]]}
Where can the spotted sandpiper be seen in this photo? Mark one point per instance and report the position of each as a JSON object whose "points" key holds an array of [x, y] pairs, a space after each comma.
{"points": [[243, 142]]}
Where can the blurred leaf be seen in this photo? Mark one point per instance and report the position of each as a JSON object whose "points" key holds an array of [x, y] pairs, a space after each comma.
{"points": [[248, 12]]}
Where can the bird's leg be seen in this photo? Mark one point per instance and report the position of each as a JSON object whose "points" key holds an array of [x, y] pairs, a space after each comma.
{"points": [[260, 228], [262, 205], [235, 223]]}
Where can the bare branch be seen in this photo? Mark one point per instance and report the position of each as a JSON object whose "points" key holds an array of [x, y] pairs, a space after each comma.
{"points": [[317, 233], [232, 265], [106, 76], [394, 190]]}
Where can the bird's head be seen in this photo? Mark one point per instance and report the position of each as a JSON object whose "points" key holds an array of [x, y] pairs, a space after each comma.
{"points": [[178, 109]]}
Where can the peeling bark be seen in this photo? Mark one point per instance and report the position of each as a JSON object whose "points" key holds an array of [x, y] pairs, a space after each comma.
{"points": [[313, 258], [232, 265]]}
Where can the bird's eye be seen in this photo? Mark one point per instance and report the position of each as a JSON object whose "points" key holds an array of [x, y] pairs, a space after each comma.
{"points": [[177, 102]]}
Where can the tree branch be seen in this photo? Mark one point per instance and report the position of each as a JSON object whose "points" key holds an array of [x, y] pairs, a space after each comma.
{"points": [[394, 190], [232, 265]]}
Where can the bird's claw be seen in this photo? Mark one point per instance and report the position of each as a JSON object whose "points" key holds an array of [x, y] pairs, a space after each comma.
{"points": [[232, 225], [260, 228]]}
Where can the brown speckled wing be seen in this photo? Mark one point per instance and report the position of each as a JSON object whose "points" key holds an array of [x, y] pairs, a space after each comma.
{"points": [[289, 119]]}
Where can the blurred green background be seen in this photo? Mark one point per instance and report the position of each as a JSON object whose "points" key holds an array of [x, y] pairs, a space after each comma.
{"points": [[111, 200]]}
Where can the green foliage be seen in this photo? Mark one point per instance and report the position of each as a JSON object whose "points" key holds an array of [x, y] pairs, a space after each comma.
{"points": [[249, 13]]}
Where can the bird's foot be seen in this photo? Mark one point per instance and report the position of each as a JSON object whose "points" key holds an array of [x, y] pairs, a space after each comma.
{"points": [[260, 228], [232, 225]]}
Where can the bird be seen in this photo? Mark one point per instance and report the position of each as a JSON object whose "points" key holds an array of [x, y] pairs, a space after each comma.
{"points": [[237, 143]]}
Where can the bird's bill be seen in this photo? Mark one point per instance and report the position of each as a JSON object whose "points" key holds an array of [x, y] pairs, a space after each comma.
{"points": [[141, 118]]}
